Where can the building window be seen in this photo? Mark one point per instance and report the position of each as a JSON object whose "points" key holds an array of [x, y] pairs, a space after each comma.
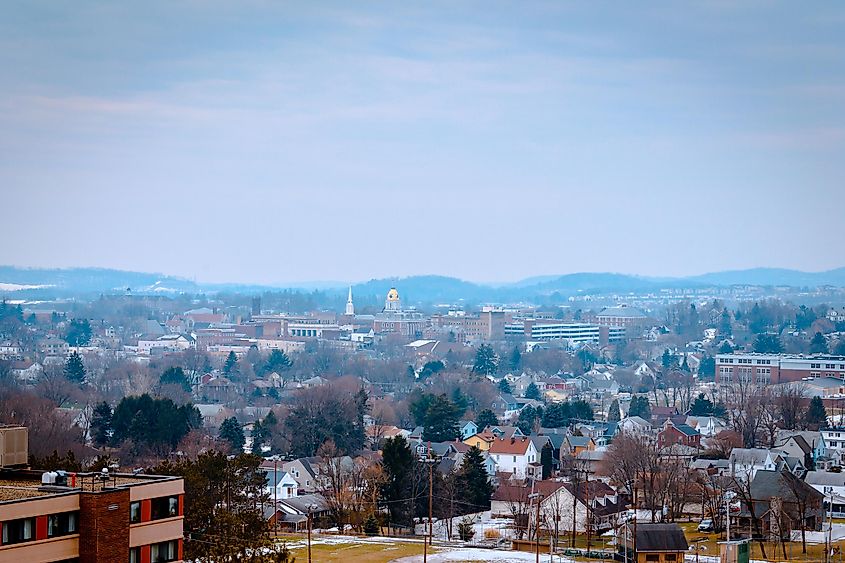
{"points": [[62, 524], [18, 531], [652, 557], [134, 555], [671, 557], [164, 551], [135, 512], [164, 507]]}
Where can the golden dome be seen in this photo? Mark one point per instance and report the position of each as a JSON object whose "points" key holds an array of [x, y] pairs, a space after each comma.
{"points": [[393, 295]]}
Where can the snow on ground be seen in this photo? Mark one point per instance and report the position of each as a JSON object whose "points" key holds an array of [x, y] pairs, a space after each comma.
{"points": [[482, 521], [837, 532], [20, 287], [475, 554]]}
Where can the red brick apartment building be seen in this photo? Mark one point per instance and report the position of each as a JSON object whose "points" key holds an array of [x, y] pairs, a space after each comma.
{"points": [[52, 517], [777, 368]]}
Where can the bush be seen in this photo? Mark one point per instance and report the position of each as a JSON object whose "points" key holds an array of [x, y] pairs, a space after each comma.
{"points": [[371, 525], [492, 534], [465, 530]]}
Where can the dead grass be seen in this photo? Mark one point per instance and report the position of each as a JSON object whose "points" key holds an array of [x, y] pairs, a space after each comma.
{"points": [[351, 552]]}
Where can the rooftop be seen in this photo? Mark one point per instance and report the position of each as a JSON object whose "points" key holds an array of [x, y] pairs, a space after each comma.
{"points": [[18, 485]]}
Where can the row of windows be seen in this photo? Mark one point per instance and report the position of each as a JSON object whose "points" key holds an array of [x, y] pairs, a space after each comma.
{"points": [[25, 529], [162, 507], [159, 552]]}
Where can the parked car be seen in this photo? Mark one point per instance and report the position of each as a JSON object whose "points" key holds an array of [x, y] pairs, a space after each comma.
{"points": [[705, 525]]}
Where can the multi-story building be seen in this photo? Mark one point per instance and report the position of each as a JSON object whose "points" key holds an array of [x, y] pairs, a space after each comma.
{"points": [[575, 333], [395, 320], [621, 316], [489, 324], [777, 368], [88, 517]]}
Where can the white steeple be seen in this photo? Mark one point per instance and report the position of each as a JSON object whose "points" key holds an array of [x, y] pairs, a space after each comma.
{"points": [[350, 307]]}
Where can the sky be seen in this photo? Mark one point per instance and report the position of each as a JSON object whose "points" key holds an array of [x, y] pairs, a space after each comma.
{"points": [[271, 142]]}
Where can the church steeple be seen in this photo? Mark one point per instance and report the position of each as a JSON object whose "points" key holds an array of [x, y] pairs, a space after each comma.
{"points": [[350, 307]]}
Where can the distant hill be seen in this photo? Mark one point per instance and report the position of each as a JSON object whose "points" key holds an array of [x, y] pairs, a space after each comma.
{"points": [[414, 289], [773, 276]]}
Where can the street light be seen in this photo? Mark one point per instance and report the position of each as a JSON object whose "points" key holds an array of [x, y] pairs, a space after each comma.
{"points": [[311, 508], [697, 548]]}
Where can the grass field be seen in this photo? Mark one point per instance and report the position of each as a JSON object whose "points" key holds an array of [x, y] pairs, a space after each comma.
{"points": [[358, 550]]}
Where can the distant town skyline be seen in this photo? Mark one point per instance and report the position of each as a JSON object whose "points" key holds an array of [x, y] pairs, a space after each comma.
{"points": [[266, 144]]}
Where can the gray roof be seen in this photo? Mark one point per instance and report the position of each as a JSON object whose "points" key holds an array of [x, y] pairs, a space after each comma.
{"points": [[825, 478], [750, 456], [660, 537], [301, 503], [621, 311], [768, 484]]}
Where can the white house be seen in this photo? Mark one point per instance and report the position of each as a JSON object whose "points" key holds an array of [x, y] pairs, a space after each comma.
{"points": [[634, 425], [746, 462], [513, 455], [285, 486]]}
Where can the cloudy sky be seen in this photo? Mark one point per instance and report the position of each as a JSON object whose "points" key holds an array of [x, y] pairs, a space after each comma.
{"points": [[271, 142]]}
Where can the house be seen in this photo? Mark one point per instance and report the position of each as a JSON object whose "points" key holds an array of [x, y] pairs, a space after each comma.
{"points": [[746, 462], [281, 485], [481, 441], [574, 445], [813, 439], [302, 471], [796, 446], [596, 503], [680, 434], [292, 513], [512, 499], [634, 425], [658, 543], [707, 426], [832, 486], [514, 455], [798, 501], [504, 405], [467, 428], [26, 370], [660, 414]]}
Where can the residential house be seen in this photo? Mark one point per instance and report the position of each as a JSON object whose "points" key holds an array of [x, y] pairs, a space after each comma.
{"points": [[746, 462], [680, 434], [467, 428], [707, 426], [814, 439], [574, 445], [514, 455], [798, 501], [596, 503], [281, 485], [634, 425], [292, 513], [832, 486], [504, 405]]}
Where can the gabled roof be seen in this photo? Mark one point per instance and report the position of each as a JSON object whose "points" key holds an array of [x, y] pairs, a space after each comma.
{"points": [[510, 446], [782, 484]]}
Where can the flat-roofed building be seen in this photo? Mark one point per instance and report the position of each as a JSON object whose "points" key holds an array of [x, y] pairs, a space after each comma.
{"points": [[575, 333], [777, 368], [89, 517]]}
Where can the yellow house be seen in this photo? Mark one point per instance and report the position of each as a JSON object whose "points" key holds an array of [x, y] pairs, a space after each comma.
{"points": [[481, 441]]}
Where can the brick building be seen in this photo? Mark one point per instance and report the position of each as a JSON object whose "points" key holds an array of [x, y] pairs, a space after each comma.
{"points": [[88, 517], [777, 368]]}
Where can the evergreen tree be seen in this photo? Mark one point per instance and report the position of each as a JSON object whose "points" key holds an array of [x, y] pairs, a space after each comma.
{"points": [[581, 410], [685, 365], [557, 415], [816, 415], [101, 424], [474, 482], [231, 432], [526, 420], [668, 360], [725, 328], [270, 420], [504, 386], [78, 332], [532, 392], [397, 462], [466, 530], [460, 400], [725, 348], [158, 424], [259, 436], [277, 362], [486, 418], [441, 420], [430, 368], [486, 360], [74, 368], [516, 359], [613, 413], [840, 347], [818, 345], [371, 525], [707, 367], [701, 406], [640, 407], [230, 368], [175, 376], [546, 455], [768, 344]]}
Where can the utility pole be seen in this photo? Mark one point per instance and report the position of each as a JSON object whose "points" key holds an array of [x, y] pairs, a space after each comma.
{"points": [[427, 540], [537, 497], [275, 498], [309, 533], [634, 539], [587, 507]]}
